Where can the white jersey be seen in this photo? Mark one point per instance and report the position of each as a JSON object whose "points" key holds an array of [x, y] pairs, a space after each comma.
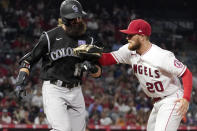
{"points": [[157, 69]]}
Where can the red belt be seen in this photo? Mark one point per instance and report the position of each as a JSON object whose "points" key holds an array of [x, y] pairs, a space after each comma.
{"points": [[156, 99]]}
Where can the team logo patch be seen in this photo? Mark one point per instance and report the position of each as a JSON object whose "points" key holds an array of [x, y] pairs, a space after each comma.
{"points": [[178, 64], [81, 42], [75, 8]]}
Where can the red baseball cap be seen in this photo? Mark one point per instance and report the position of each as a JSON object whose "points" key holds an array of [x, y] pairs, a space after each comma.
{"points": [[138, 26]]}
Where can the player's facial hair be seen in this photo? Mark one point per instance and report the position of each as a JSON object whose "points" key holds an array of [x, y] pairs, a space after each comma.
{"points": [[134, 45], [76, 29]]}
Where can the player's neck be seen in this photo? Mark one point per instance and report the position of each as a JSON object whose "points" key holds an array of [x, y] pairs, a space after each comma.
{"points": [[144, 48]]}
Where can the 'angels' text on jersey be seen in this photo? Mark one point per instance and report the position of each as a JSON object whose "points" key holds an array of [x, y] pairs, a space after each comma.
{"points": [[143, 70]]}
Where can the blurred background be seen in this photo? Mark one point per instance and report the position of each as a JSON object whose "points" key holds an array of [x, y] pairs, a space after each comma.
{"points": [[116, 98]]}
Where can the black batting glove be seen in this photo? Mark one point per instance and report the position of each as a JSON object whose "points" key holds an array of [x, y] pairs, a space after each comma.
{"points": [[89, 67], [20, 92]]}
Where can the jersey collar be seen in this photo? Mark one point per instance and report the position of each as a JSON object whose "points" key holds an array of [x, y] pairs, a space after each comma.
{"points": [[147, 50]]}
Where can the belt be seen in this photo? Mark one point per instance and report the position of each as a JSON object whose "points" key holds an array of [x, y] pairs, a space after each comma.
{"points": [[64, 84], [156, 99]]}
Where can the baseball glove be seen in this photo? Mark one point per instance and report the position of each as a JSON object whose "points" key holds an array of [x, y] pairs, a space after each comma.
{"points": [[88, 52]]}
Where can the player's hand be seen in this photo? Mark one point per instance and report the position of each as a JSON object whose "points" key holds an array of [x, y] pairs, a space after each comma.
{"points": [[184, 105], [20, 92], [88, 66]]}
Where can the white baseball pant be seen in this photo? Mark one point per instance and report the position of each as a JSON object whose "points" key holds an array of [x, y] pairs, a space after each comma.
{"points": [[64, 108], [164, 116]]}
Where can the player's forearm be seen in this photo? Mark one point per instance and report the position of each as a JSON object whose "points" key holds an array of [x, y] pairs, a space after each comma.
{"points": [[187, 84], [107, 59], [24, 70], [23, 73]]}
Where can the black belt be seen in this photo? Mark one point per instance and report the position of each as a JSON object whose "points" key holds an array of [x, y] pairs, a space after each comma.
{"points": [[64, 84]]}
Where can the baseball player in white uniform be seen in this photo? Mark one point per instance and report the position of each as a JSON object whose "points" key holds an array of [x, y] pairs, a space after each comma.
{"points": [[157, 71]]}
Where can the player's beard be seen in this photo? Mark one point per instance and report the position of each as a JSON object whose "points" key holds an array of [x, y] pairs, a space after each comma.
{"points": [[77, 29], [133, 45]]}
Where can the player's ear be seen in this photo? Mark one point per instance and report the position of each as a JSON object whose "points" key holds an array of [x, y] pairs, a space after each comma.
{"points": [[143, 37]]}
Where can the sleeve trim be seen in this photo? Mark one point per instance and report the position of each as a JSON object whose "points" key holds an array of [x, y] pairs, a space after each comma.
{"points": [[49, 48], [182, 72], [115, 58]]}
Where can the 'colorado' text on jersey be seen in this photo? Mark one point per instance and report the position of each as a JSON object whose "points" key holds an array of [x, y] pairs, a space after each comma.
{"points": [[157, 69]]}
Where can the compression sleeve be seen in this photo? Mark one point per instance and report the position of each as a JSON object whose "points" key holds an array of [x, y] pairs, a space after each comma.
{"points": [[107, 59], [187, 84]]}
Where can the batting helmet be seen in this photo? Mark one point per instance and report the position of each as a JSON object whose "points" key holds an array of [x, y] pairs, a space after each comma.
{"points": [[71, 9]]}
